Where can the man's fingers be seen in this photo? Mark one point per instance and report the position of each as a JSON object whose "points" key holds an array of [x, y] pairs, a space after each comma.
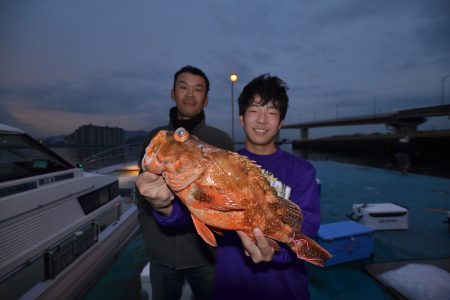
{"points": [[263, 245], [154, 189], [260, 250], [249, 246], [146, 178]]}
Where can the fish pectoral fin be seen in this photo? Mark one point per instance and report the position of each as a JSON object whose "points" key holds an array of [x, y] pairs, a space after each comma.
{"points": [[221, 201], [204, 231], [225, 208], [179, 181]]}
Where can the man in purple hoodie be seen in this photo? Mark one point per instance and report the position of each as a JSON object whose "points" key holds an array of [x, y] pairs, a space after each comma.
{"points": [[245, 269]]}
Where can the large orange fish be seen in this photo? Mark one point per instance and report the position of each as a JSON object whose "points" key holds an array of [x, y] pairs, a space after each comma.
{"points": [[225, 190]]}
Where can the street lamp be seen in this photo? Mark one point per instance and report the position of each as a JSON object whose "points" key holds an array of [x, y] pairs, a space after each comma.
{"points": [[233, 78], [443, 89]]}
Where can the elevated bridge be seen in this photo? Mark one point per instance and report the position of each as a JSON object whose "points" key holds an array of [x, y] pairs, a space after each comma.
{"points": [[401, 121]]}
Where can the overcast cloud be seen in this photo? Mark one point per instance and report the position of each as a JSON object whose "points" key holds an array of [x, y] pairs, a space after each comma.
{"points": [[110, 62]]}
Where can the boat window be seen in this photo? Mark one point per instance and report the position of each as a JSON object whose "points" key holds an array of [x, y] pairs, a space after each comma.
{"points": [[97, 198], [21, 157]]}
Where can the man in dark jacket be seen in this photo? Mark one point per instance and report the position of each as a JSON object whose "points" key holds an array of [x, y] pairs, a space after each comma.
{"points": [[176, 255]]}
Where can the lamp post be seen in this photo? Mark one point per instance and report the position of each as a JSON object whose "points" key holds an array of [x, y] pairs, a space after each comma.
{"points": [[443, 89], [233, 78]]}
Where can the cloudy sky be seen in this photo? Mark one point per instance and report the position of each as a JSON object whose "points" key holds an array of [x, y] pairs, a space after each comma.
{"points": [[66, 63]]}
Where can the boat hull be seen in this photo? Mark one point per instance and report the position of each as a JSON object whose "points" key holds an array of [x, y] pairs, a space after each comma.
{"points": [[77, 279]]}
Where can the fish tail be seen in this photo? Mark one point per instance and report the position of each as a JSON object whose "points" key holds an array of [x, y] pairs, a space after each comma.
{"points": [[308, 250]]}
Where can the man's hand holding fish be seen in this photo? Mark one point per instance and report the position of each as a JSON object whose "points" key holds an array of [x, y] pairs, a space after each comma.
{"points": [[156, 192], [259, 250]]}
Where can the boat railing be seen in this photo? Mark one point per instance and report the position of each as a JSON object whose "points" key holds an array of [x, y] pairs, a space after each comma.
{"points": [[113, 155]]}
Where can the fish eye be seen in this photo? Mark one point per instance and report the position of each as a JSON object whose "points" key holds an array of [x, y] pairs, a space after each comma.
{"points": [[180, 131], [181, 135]]}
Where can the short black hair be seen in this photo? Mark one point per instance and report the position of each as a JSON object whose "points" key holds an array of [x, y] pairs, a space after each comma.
{"points": [[194, 71], [270, 89]]}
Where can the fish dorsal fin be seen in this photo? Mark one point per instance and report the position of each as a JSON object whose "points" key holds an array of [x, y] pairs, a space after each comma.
{"points": [[253, 170], [204, 232]]}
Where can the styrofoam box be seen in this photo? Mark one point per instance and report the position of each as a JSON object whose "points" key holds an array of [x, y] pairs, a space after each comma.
{"points": [[346, 241], [381, 216]]}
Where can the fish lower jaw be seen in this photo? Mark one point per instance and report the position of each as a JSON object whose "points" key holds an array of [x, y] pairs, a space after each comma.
{"points": [[149, 164]]}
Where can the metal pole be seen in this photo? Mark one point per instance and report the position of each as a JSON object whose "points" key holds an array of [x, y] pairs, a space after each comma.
{"points": [[233, 78], [232, 111]]}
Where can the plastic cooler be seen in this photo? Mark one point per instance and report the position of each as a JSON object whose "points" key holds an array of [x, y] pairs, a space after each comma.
{"points": [[346, 241], [381, 216]]}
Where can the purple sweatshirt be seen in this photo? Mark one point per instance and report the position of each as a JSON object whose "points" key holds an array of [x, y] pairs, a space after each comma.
{"points": [[236, 275]]}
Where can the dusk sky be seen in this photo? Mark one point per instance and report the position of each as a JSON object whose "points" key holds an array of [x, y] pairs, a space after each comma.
{"points": [[64, 63]]}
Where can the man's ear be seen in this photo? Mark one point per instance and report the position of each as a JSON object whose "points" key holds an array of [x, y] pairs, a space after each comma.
{"points": [[206, 102], [281, 125], [241, 119], [172, 94]]}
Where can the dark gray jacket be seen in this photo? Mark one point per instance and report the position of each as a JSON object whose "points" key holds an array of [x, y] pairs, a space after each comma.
{"points": [[179, 249]]}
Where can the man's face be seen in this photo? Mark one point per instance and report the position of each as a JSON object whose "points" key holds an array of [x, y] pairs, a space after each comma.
{"points": [[261, 123], [189, 95]]}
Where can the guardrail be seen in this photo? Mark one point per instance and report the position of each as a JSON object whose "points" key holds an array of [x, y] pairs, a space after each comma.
{"points": [[114, 155]]}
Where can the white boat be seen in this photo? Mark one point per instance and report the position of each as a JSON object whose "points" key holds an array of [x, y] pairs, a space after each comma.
{"points": [[60, 227]]}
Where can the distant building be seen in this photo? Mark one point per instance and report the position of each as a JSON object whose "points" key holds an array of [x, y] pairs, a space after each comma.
{"points": [[50, 141], [136, 140], [136, 137], [97, 135]]}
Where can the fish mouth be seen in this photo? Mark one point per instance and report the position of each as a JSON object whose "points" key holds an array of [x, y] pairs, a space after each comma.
{"points": [[151, 164], [150, 161]]}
